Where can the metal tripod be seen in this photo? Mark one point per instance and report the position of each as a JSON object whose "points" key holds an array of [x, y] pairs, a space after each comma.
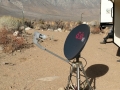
{"points": [[77, 66]]}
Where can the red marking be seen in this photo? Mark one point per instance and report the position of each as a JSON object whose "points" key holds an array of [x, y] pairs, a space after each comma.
{"points": [[80, 35]]}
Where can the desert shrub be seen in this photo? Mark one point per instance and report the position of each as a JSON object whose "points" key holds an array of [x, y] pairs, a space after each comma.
{"points": [[28, 23], [94, 23], [11, 43], [94, 29], [11, 23], [79, 22], [41, 21], [3, 36]]}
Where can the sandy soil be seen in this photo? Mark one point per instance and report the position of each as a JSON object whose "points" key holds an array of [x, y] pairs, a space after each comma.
{"points": [[35, 69]]}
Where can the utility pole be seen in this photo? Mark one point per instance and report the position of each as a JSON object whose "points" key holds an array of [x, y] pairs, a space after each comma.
{"points": [[81, 16]]}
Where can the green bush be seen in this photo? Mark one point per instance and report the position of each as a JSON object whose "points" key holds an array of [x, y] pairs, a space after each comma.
{"points": [[11, 23]]}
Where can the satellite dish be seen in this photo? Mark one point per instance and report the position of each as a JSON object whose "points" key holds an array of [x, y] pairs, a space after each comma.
{"points": [[76, 41], [74, 44]]}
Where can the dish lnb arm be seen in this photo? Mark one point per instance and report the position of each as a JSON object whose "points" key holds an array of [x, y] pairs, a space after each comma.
{"points": [[38, 36]]}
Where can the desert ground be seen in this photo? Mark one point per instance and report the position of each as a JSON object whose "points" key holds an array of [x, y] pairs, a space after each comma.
{"points": [[36, 69]]}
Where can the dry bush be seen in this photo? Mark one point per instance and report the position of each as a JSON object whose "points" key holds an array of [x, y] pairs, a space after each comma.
{"points": [[79, 22], [54, 25], [41, 21], [59, 24], [11, 23], [28, 23], [94, 29], [37, 24], [94, 23], [66, 25], [3, 36], [12, 43]]}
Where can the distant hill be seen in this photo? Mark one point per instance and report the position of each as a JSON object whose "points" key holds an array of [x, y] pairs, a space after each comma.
{"points": [[52, 9]]}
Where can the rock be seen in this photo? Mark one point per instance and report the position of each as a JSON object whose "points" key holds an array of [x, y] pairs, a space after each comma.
{"points": [[28, 28], [21, 28], [59, 29], [15, 33], [50, 29], [84, 22], [55, 30], [7, 63]]}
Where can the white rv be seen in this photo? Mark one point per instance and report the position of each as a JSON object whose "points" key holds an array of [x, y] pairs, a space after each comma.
{"points": [[116, 22], [106, 13], [110, 14]]}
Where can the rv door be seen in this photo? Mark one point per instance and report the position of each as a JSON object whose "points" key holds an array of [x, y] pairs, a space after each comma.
{"points": [[117, 22]]}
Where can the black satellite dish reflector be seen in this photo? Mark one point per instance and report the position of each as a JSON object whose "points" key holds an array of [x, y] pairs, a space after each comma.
{"points": [[76, 41]]}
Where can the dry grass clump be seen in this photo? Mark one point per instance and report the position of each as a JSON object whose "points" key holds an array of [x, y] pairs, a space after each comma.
{"points": [[11, 23], [54, 25], [94, 27], [11, 43]]}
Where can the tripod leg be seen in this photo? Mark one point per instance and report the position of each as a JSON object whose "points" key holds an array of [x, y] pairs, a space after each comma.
{"points": [[85, 76], [78, 77], [69, 79]]}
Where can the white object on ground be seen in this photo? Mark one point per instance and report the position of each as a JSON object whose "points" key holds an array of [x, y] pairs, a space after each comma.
{"points": [[48, 78], [15, 33], [28, 28]]}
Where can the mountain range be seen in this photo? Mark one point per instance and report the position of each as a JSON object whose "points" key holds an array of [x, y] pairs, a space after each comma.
{"points": [[85, 10]]}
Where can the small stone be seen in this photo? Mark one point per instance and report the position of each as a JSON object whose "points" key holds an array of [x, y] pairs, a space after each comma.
{"points": [[7, 63], [15, 33], [28, 28]]}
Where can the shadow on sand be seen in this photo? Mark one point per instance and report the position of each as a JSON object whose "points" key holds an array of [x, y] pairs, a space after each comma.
{"points": [[95, 71]]}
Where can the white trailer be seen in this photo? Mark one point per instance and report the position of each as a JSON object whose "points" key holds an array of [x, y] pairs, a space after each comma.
{"points": [[106, 13], [116, 22]]}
